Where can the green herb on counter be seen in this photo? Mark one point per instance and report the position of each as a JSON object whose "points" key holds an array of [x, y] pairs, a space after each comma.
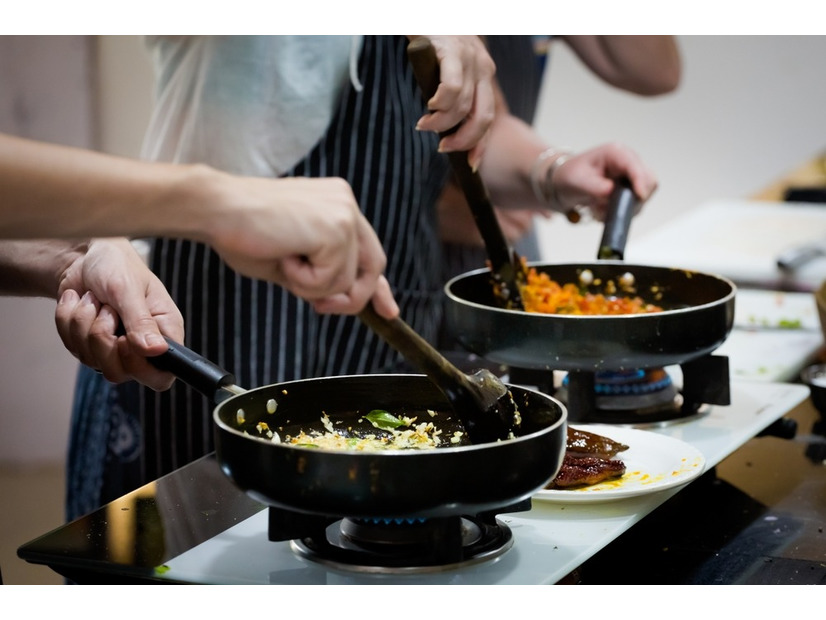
{"points": [[780, 324]]}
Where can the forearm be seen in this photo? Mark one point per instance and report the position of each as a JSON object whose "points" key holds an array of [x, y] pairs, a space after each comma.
{"points": [[33, 268], [645, 65], [48, 190], [511, 160]]}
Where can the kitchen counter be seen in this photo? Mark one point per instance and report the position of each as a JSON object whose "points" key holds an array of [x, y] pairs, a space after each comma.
{"points": [[194, 526], [759, 517], [743, 240], [776, 334]]}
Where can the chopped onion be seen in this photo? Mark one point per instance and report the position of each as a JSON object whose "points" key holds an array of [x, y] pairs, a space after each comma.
{"points": [[627, 280]]}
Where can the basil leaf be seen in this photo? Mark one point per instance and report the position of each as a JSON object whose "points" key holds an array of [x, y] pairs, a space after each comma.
{"points": [[383, 419]]}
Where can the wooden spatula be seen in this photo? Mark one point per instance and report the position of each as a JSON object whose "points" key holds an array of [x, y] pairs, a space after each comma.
{"points": [[506, 266], [484, 404]]}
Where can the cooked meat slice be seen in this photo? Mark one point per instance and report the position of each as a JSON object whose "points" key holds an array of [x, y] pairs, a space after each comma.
{"points": [[583, 443], [577, 471]]}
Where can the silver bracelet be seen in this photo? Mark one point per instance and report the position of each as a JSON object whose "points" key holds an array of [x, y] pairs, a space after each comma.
{"points": [[539, 189]]}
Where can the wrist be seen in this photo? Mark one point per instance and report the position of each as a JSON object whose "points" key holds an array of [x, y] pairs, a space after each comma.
{"points": [[191, 203], [36, 268], [542, 173], [545, 189]]}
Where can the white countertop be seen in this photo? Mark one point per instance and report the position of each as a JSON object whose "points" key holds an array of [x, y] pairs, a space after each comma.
{"points": [[553, 539], [739, 239], [550, 540], [759, 348]]}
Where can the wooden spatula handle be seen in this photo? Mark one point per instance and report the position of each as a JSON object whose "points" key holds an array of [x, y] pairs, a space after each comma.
{"points": [[503, 260]]}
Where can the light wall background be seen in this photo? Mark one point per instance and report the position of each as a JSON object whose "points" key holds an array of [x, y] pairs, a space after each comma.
{"points": [[749, 109]]}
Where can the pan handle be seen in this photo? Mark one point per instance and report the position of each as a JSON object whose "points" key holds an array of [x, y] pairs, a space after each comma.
{"points": [[622, 206], [195, 370]]}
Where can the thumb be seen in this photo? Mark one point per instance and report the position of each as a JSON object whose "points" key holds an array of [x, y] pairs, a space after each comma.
{"points": [[144, 336], [141, 328]]}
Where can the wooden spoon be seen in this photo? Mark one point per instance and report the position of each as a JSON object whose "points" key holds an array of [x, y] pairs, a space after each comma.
{"points": [[507, 269], [483, 403]]}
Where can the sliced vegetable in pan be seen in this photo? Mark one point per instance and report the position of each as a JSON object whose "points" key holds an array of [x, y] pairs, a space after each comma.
{"points": [[545, 295]]}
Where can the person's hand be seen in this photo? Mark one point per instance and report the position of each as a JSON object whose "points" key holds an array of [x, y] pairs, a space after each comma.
{"points": [[305, 234], [107, 283], [587, 179], [465, 95]]}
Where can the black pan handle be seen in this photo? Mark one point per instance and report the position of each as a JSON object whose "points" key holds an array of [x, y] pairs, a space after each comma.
{"points": [[195, 370], [622, 206]]}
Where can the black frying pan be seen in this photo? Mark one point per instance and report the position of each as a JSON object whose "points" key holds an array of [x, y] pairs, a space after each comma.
{"points": [[411, 483], [698, 315]]}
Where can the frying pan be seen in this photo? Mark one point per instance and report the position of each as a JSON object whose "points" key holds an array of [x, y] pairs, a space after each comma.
{"points": [[445, 481], [698, 313]]}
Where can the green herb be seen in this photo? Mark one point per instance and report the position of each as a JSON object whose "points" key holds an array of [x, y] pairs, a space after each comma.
{"points": [[780, 324], [383, 419]]}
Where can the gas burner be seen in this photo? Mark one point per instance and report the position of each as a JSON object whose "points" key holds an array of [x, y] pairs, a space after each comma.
{"points": [[636, 396], [393, 547], [633, 396], [398, 545], [631, 382]]}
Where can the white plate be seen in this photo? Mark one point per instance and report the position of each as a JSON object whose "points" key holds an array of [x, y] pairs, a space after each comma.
{"points": [[653, 462]]}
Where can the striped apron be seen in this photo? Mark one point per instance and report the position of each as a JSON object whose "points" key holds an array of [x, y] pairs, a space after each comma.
{"points": [[127, 435]]}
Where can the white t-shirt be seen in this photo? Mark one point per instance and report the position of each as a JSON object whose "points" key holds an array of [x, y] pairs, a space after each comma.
{"points": [[270, 98]]}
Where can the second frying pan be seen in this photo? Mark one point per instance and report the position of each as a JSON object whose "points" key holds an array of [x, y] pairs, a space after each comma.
{"points": [[697, 318]]}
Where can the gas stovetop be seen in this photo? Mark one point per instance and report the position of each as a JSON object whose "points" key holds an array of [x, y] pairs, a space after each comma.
{"points": [[194, 526]]}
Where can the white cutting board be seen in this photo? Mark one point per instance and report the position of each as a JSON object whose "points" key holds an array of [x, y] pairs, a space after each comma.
{"points": [[740, 240]]}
